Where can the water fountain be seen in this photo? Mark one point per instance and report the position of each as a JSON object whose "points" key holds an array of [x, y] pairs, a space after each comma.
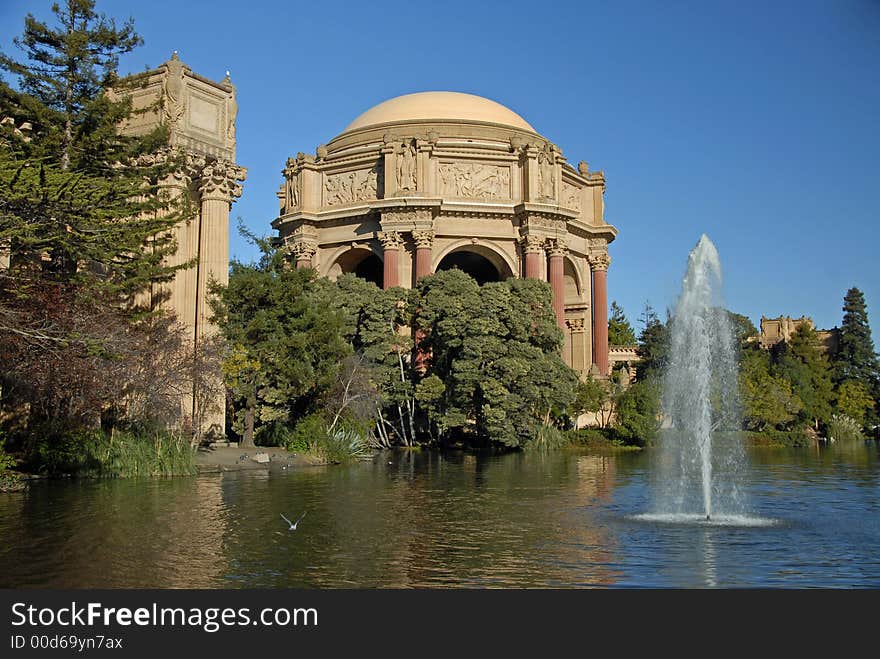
{"points": [[698, 474]]}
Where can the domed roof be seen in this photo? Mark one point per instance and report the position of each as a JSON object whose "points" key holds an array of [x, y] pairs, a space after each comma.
{"points": [[440, 106]]}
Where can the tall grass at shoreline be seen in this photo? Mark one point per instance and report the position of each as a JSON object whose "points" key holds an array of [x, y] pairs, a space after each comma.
{"points": [[117, 455]]}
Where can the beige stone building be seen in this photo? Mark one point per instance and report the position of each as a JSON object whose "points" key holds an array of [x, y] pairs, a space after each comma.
{"points": [[436, 180], [200, 114], [781, 329]]}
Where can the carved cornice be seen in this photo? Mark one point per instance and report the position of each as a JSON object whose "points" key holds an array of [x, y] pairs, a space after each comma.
{"points": [[389, 239], [424, 239]]}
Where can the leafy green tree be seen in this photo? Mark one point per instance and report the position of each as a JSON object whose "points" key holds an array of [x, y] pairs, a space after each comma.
{"points": [[620, 332], [802, 362], [854, 400], [637, 419], [288, 342], [767, 400]]}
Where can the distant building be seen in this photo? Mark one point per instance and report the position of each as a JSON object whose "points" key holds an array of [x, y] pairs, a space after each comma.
{"points": [[781, 329]]}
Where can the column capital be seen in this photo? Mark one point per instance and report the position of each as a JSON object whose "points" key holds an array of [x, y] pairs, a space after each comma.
{"points": [[301, 250], [532, 244], [600, 261], [217, 179], [556, 247], [576, 325], [389, 239], [424, 238]]}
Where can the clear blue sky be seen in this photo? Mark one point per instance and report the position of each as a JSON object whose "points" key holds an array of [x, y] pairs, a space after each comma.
{"points": [[757, 123]]}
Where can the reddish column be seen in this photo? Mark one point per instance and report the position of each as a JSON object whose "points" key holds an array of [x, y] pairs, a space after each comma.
{"points": [[533, 248], [599, 265], [557, 283], [303, 263], [391, 269], [424, 252]]}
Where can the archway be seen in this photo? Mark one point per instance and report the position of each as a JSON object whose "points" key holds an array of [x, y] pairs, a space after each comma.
{"points": [[362, 263], [475, 265], [481, 262]]}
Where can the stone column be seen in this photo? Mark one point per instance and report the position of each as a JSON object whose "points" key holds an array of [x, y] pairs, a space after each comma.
{"points": [[218, 187], [533, 248], [577, 329], [391, 271], [599, 264], [424, 252], [557, 252]]}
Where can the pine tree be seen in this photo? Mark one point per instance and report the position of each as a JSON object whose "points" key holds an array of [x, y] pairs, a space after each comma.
{"points": [[620, 332], [855, 358], [653, 345]]}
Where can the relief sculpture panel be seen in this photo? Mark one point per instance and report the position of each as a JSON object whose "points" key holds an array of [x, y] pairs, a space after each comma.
{"points": [[476, 180], [348, 187], [571, 196]]}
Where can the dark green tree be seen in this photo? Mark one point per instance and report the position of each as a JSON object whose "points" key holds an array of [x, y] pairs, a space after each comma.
{"points": [[855, 358], [494, 371], [286, 342], [620, 332], [84, 212], [637, 419], [653, 346]]}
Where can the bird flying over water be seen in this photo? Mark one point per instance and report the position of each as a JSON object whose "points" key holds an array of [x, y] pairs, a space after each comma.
{"points": [[293, 524]]}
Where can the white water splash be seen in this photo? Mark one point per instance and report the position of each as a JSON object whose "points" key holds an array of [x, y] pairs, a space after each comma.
{"points": [[699, 476]]}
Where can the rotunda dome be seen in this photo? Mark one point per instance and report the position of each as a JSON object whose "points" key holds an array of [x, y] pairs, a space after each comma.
{"points": [[439, 106]]}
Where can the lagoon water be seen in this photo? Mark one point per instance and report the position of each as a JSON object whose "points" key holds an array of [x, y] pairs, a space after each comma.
{"points": [[425, 519]]}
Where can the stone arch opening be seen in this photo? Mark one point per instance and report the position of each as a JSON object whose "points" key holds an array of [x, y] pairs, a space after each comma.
{"points": [[362, 263], [571, 281], [479, 262]]}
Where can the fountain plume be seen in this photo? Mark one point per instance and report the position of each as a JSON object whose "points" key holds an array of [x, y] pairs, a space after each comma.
{"points": [[698, 475]]}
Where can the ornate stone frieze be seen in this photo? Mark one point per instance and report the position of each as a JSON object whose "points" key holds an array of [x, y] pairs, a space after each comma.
{"points": [[404, 220], [348, 187], [543, 222], [423, 239], [474, 180], [571, 196], [390, 239], [576, 325], [599, 261]]}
